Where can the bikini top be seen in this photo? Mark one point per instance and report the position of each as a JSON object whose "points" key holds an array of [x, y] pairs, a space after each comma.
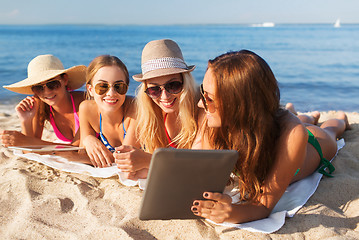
{"points": [[172, 144], [103, 138], [56, 130]]}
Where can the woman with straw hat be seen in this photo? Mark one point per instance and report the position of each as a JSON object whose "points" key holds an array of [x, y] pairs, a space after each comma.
{"points": [[166, 106], [53, 101]]}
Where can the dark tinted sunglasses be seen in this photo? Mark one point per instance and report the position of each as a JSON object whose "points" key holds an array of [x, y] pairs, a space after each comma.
{"points": [[103, 87], [208, 106], [39, 88], [173, 87]]}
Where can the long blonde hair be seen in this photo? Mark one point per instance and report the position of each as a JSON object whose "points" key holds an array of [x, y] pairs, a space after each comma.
{"points": [[151, 128]]}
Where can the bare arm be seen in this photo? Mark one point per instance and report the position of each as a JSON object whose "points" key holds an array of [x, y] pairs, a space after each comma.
{"points": [[27, 111], [292, 147], [99, 155]]}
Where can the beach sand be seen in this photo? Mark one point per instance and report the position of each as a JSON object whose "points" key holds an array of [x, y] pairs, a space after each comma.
{"points": [[38, 202]]}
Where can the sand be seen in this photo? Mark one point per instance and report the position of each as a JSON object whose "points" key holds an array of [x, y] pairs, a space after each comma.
{"points": [[38, 202]]}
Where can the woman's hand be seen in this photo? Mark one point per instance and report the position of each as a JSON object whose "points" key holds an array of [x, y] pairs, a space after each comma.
{"points": [[99, 155], [217, 208], [14, 138], [27, 108], [131, 159]]}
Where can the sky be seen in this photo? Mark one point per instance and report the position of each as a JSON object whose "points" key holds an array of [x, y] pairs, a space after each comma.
{"points": [[168, 12]]}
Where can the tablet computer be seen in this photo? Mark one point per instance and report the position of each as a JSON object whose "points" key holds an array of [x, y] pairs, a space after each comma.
{"points": [[177, 177], [46, 148]]}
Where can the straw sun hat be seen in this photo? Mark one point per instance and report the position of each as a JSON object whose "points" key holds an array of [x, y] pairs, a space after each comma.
{"points": [[45, 67], [161, 58]]}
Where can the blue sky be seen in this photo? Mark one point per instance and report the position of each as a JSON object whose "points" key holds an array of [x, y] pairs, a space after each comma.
{"points": [[180, 12]]}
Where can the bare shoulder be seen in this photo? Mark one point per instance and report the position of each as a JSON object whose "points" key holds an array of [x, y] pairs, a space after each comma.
{"points": [[131, 108], [294, 134], [88, 107]]}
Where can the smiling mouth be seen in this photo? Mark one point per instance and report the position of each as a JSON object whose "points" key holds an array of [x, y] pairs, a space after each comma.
{"points": [[50, 98], [111, 101], [169, 104]]}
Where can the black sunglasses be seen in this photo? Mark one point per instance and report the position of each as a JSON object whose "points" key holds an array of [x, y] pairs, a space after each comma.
{"points": [[103, 87], [173, 87], [208, 105], [39, 88]]}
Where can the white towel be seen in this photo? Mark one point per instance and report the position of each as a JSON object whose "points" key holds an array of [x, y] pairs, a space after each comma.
{"points": [[61, 163], [296, 195]]}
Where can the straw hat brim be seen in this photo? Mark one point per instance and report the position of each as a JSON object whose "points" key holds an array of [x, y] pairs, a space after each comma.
{"points": [[161, 72], [76, 74]]}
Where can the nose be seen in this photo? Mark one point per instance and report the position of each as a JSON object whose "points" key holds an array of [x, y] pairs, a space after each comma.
{"points": [[165, 94], [46, 90], [200, 104], [111, 91]]}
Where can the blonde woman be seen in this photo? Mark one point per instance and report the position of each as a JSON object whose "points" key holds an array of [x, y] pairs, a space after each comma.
{"points": [[166, 106], [53, 101], [106, 118]]}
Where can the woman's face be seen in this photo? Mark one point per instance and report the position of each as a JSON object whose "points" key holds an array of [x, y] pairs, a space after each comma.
{"points": [[52, 91], [165, 91], [208, 94], [104, 85]]}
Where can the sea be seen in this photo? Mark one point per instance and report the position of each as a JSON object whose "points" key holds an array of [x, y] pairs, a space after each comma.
{"points": [[316, 65]]}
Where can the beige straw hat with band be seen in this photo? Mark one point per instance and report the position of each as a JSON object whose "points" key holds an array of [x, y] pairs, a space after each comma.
{"points": [[45, 67], [161, 58]]}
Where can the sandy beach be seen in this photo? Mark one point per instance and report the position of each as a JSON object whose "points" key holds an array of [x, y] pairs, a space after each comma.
{"points": [[39, 202]]}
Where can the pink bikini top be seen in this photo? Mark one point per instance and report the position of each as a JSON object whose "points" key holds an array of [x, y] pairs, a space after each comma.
{"points": [[172, 144], [56, 130]]}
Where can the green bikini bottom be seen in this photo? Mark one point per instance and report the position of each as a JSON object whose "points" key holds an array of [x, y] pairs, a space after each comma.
{"points": [[324, 163]]}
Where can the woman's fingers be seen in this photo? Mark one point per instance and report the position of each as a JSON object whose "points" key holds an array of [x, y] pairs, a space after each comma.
{"points": [[219, 197], [217, 208]]}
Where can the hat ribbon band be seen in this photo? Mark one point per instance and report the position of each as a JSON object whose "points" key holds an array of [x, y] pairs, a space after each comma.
{"points": [[163, 63]]}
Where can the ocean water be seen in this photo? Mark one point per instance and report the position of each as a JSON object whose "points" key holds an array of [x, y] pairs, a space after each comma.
{"points": [[317, 66]]}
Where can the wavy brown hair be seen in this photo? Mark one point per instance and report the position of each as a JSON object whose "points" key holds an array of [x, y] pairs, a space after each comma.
{"points": [[250, 114]]}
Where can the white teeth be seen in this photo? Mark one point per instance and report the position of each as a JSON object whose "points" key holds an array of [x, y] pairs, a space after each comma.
{"points": [[110, 100], [167, 104]]}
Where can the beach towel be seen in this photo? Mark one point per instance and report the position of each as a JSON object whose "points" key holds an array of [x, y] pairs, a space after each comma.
{"points": [[63, 164], [296, 195]]}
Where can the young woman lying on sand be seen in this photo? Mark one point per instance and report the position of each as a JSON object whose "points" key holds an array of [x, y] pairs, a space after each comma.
{"points": [[107, 120], [166, 104], [275, 147], [53, 101]]}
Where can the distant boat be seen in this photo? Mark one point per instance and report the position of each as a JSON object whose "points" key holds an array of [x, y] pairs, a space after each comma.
{"points": [[265, 24], [337, 23]]}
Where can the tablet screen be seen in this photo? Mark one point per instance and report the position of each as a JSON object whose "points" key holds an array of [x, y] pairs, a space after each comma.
{"points": [[177, 177]]}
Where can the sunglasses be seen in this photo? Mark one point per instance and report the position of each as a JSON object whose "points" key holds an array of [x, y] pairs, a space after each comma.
{"points": [[173, 87], [51, 85], [103, 87], [208, 104]]}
